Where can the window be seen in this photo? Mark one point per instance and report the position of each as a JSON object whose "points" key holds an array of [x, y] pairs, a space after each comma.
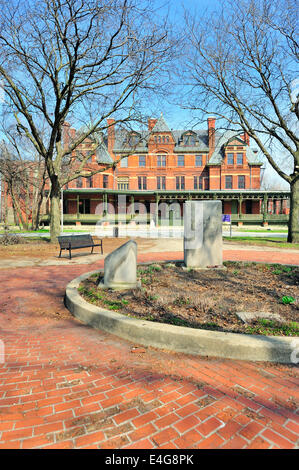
{"points": [[89, 182], [123, 183], [197, 182], [161, 139], [230, 158], [142, 183], [228, 182], [198, 160], [239, 158], [161, 182], [189, 140], [79, 182], [133, 140], [241, 182], [181, 160], [124, 162], [105, 181], [142, 160], [161, 160], [180, 182], [84, 206]]}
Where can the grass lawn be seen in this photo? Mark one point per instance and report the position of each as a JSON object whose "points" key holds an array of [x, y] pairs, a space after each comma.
{"points": [[272, 242], [261, 230]]}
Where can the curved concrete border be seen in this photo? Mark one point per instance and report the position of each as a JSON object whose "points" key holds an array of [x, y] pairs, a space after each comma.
{"points": [[178, 338]]}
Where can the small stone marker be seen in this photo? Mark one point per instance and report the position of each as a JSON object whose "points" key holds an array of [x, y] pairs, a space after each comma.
{"points": [[247, 317], [120, 268], [203, 234]]}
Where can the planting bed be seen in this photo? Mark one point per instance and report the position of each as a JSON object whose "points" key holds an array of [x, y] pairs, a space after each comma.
{"points": [[208, 299]]}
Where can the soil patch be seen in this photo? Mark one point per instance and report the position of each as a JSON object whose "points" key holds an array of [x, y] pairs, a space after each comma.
{"points": [[208, 299]]}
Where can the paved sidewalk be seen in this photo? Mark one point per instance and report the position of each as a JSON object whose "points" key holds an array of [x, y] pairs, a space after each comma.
{"points": [[230, 253], [66, 385]]}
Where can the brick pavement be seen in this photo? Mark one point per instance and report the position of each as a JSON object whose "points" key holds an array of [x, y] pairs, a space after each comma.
{"points": [[65, 385]]}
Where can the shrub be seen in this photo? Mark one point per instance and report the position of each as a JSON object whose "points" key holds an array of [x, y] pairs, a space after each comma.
{"points": [[10, 239]]}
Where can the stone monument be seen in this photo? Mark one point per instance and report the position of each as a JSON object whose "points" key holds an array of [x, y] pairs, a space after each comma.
{"points": [[120, 268], [203, 234]]}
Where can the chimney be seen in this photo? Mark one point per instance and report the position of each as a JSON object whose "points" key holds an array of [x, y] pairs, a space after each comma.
{"points": [[245, 137], [68, 134], [111, 135], [211, 134], [151, 124]]}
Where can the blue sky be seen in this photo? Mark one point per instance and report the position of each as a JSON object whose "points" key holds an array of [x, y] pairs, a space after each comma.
{"points": [[175, 116]]}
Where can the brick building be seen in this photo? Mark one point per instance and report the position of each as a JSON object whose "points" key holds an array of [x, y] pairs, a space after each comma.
{"points": [[165, 165]]}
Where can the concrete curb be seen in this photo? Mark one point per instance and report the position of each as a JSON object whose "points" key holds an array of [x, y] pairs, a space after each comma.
{"points": [[177, 338]]}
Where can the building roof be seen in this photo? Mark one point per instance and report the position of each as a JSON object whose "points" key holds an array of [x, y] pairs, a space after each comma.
{"points": [[161, 125], [201, 138], [102, 154], [221, 141]]}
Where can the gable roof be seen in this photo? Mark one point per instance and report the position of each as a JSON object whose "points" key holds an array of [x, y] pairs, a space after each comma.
{"points": [[102, 155], [221, 140], [161, 125]]}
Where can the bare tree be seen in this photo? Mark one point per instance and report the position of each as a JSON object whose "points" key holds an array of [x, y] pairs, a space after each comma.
{"points": [[242, 66], [77, 61], [23, 180]]}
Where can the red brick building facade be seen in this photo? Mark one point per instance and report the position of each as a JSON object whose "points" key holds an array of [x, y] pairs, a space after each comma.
{"points": [[161, 164]]}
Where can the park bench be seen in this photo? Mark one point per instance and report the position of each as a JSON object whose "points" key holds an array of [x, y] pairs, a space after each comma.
{"points": [[74, 242]]}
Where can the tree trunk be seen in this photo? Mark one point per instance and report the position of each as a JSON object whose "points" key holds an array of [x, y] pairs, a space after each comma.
{"points": [[55, 209], [293, 233], [36, 217]]}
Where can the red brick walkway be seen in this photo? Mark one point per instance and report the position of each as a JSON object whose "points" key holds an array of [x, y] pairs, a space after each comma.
{"points": [[65, 385]]}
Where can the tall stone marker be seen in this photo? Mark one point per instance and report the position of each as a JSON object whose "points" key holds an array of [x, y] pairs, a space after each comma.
{"points": [[203, 234], [120, 267]]}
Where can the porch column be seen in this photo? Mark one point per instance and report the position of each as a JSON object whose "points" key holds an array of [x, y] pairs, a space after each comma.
{"points": [[103, 211], [265, 209], [157, 210], [132, 206], [240, 200], [78, 212]]}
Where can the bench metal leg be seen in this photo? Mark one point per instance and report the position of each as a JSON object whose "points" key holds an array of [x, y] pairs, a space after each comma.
{"points": [[70, 253], [60, 253], [91, 250]]}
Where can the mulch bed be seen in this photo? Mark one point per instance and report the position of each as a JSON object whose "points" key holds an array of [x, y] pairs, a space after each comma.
{"points": [[207, 299]]}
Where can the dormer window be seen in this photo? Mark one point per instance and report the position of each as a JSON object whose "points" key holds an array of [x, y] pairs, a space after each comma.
{"points": [[189, 139], [133, 140], [239, 158], [230, 158]]}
